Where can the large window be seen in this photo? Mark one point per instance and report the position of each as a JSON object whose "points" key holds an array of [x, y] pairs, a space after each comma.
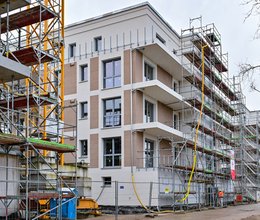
{"points": [[98, 43], [84, 147], [112, 73], [84, 73], [84, 109], [72, 50], [148, 72], [149, 153], [112, 152], [149, 111], [112, 112]]}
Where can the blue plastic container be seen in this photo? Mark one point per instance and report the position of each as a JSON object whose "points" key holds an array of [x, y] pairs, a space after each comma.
{"points": [[68, 210]]}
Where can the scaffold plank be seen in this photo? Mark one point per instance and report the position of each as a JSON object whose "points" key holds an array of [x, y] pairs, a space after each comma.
{"points": [[26, 17], [14, 4], [20, 102], [51, 146], [10, 139], [31, 56]]}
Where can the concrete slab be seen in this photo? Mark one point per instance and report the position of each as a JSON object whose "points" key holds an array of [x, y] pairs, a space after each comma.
{"points": [[12, 70]]}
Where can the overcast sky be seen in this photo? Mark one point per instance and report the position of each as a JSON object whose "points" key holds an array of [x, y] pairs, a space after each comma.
{"points": [[228, 16]]}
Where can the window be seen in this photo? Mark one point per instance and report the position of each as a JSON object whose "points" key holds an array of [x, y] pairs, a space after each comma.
{"points": [[175, 121], [175, 86], [21, 124], [160, 38], [112, 152], [84, 109], [107, 181], [84, 73], [84, 147], [148, 72], [149, 153], [112, 73], [149, 111], [98, 43], [72, 50], [56, 77], [112, 112]]}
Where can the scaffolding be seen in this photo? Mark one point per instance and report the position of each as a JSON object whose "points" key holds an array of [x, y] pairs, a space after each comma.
{"points": [[32, 111], [214, 145]]}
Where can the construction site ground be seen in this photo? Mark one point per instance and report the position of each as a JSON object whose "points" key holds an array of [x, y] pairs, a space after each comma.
{"points": [[239, 212]]}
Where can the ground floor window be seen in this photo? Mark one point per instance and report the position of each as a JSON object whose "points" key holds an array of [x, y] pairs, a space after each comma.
{"points": [[149, 153]]}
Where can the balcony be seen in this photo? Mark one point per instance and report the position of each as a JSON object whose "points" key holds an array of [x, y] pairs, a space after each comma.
{"points": [[161, 92], [159, 130], [164, 58]]}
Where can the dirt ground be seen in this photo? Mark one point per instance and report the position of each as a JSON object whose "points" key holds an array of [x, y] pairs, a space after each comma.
{"points": [[241, 212]]}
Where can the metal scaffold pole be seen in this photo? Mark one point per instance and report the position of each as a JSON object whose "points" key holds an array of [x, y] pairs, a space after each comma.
{"points": [[32, 108]]}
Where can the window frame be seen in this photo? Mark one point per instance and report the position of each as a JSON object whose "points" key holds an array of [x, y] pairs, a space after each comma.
{"points": [[83, 115], [107, 183], [113, 75], [146, 116], [148, 66], [149, 154], [83, 79], [98, 43], [160, 38], [72, 50], [114, 113], [113, 153], [85, 147]]}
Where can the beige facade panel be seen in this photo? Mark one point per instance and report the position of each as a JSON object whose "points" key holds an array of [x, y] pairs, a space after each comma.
{"points": [[70, 115], [137, 66], [138, 149], [94, 73], [127, 107], [164, 77], [93, 150], [127, 148], [94, 112], [165, 150], [137, 107], [127, 74], [70, 79], [68, 157], [165, 114]]}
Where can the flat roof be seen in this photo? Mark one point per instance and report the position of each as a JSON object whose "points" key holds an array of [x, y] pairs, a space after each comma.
{"points": [[123, 10]]}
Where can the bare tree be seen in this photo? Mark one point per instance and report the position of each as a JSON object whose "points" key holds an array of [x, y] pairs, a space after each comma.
{"points": [[247, 70], [253, 11]]}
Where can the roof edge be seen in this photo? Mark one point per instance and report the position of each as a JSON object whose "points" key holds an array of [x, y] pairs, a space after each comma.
{"points": [[146, 3]]}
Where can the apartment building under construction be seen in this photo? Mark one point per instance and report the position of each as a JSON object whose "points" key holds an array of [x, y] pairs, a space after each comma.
{"points": [[160, 111], [32, 182]]}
